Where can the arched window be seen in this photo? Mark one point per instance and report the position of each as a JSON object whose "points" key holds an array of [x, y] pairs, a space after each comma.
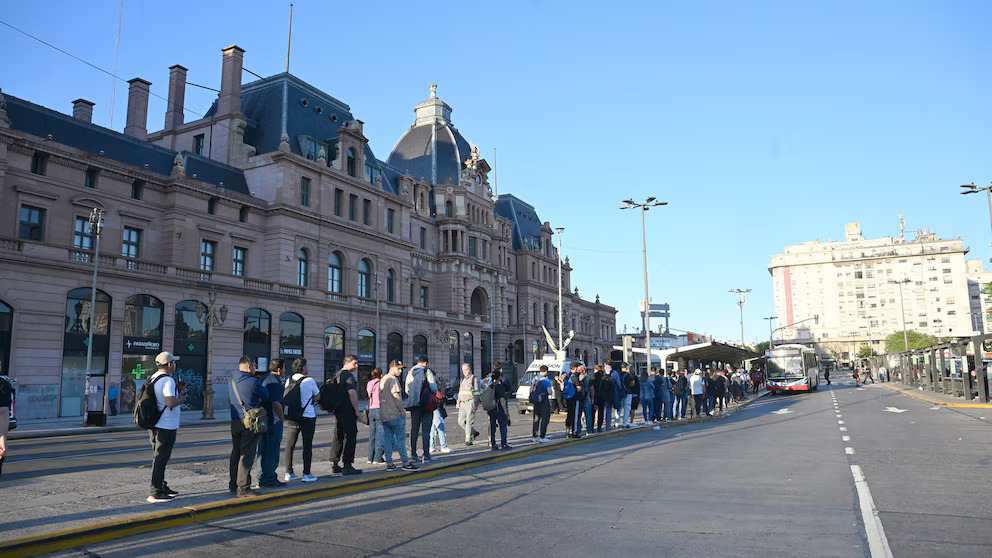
{"points": [[394, 347], [334, 273], [419, 347], [302, 269], [6, 327], [390, 287], [364, 276], [351, 162], [333, 351], [258, 325], [448, 209]]}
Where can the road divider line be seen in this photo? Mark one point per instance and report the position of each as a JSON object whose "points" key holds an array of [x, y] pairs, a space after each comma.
{"points": [[878, 543]]}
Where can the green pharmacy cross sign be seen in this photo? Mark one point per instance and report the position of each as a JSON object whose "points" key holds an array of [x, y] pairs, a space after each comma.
{"points": [[138, 372]]}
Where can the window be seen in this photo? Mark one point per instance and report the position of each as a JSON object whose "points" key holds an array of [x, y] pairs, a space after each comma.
{"points": [[39, 163], [137, 189], [390, 286], [239, 261], [448, 209], [334, 273], [131, 243], [90, 178], [472, 252], [423, 238], [32, 223], [423, 297], [337, 201], [390, 218], [351, 162], [304, 191], [302, 269], [81, 239], [367, 212], [207, 251], [243, 214], [198, 144], [352, 202], [211, 205], [364, 273]]}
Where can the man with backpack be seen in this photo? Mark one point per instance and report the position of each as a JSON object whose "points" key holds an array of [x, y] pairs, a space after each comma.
{"points": [[420, 386], [163, 434], [301, 418], [540, 396], [268, 443], [246, 394], [345, 408]]}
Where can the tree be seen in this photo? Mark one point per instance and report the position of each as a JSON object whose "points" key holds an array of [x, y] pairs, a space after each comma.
{"points": [[760, 348], [894, 343], [865, 352]]}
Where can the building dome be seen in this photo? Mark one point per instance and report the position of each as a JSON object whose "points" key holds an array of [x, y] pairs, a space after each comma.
{"points": [[432, 149]]}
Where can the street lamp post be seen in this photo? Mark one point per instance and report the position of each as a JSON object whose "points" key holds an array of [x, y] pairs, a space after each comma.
{"points": [[212, 317], [740, 304], [902, 310], [644, 207], [95, 230]]}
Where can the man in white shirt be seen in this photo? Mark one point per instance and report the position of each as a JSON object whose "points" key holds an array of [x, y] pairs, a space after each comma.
{"points": [[163, 434]]}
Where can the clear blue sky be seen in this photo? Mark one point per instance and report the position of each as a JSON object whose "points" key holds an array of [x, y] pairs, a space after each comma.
{"points": [[762, 124]]}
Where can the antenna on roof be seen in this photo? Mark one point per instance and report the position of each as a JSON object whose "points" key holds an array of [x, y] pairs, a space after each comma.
{"points": [[117, 49], [289, 38]]}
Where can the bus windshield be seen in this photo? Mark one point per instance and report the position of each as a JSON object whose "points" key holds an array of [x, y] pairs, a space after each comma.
{"points": [[781, 366]]}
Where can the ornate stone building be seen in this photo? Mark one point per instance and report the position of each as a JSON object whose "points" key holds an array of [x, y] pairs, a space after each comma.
{"points": [[274, 203]]}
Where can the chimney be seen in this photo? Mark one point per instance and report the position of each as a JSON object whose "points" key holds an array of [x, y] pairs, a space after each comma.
{"points": [[137, 109], [229, 101], [83, 110], [177, 97]]}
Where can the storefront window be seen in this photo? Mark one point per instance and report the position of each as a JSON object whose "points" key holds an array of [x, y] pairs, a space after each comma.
{"points": [[78, 310]]}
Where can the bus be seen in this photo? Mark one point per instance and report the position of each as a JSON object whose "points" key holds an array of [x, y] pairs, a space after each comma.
{"points": [[791, 368]]}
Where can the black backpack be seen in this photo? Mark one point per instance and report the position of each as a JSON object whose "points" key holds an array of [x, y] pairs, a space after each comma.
{"points": [[332, 394], [292, 401], [146, 412]]}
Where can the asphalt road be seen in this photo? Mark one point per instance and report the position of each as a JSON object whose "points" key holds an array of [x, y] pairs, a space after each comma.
{"points": [[776, 479]]}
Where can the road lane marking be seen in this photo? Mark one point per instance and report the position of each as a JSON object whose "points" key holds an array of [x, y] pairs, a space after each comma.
{"points": [[878, 544], [849, 451], [845, 438]]}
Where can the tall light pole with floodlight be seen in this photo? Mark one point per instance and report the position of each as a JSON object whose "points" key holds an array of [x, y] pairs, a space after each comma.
{"points": [[644, 207]]}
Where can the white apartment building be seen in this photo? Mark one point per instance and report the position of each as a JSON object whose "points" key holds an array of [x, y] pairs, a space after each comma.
{"points": [[854, 287]]}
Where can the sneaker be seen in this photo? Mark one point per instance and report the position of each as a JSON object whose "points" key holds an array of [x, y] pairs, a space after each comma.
{"points": [[309, 478], [445, 450], [349, 470], [411, 466], [159, 497], [291, 477], [335, 468], [390, 467]]}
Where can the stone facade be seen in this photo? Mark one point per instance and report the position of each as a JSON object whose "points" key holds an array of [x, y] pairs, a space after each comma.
{"points": [[261, 205]]}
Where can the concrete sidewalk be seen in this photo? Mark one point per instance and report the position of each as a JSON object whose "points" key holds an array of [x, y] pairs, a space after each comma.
{"points": [[935, 398]]}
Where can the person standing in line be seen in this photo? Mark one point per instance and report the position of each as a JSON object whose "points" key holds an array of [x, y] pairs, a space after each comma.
{"points": [[698, 394], [163, 435], [393, 417], [244, 392], [646, 395], [6, 400], [499, 416], [268, 443], [420, 386], [346, 420], [306, 425], [467, 402], [375, 424], [542, 409], [112, 398]]}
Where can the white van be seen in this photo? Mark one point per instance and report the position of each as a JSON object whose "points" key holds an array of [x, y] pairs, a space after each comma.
{"points": [[523, 391]]}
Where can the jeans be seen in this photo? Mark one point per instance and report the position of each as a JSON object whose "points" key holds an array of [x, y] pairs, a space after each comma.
{"points": [[162, 443], [306, 426], [244, 444], [420, 421], [497, 418], [587, 410], [268, 453], [375, 436], [393, 433], [625, 410], [466, 418], [345, 437], [437, 429], [542, 416], [647, 409]]}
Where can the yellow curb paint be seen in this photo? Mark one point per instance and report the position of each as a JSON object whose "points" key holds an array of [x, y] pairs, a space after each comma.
{"points": [[66, 539]]}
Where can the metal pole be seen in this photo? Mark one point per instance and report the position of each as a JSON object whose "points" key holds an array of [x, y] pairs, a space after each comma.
{"points": [[647, 299], [96, 222]]}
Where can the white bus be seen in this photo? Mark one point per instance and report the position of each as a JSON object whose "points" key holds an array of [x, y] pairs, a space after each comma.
{"points": [[791, 368]]}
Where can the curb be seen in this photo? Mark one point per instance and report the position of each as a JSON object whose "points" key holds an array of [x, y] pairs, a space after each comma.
{"points": [[104, 531], [910, 393]]}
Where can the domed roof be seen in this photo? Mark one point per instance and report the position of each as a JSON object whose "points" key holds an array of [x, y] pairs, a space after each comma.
{"points": [[432, 148]]}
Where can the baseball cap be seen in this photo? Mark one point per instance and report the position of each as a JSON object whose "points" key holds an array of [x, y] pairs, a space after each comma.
{"points": [[164, 358], [396, 364]]}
